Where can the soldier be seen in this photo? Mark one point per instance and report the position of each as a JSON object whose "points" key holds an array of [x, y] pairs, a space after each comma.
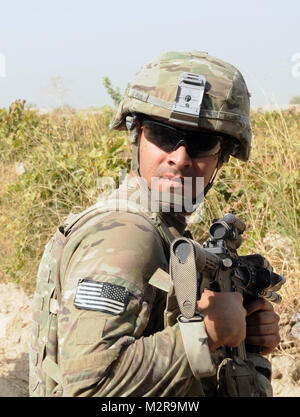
{"points": [[102, 326]]}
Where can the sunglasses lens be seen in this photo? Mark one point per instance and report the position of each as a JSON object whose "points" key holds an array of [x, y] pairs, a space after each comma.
{"points": [[162, 136], [204, 145], [167, 137]]}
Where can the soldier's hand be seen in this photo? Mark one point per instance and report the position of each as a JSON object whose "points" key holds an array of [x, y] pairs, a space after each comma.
{"points": [[262, 325], [224, 318]]}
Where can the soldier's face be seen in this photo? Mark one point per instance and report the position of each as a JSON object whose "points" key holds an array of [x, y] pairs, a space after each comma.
{"points": [[170, 168]]}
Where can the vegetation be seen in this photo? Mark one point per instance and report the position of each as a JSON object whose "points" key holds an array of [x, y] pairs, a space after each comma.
{"points": [[114, 92], [295, 100], [49, 166]]}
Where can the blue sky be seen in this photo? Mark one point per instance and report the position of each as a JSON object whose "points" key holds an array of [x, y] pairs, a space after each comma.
{"points": [[84, 41]]}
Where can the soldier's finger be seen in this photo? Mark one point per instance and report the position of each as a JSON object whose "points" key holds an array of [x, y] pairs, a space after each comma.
{"points": [[262, 317], [257, 305], [267, 342], [266, 329]]}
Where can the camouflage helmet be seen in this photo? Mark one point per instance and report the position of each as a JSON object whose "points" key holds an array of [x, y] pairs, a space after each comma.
{"points": [[220, 103]]}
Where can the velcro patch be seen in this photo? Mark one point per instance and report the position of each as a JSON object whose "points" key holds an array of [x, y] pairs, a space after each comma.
{"points": [[101, 296]]}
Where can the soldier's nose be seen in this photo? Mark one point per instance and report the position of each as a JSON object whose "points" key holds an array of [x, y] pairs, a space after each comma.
{"points": [[179, 156]]}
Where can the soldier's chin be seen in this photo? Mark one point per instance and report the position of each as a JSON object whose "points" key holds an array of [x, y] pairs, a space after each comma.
{"points": [[172, 185], [175, 203], [173, 188]]}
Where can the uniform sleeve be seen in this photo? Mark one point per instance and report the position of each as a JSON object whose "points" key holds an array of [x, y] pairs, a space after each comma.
{"points": [[106, 305]]}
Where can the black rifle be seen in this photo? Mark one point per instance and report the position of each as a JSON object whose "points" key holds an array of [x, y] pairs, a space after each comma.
{"points": [[218, 267]]}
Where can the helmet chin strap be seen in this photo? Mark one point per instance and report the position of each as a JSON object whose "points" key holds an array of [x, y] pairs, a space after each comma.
{"points": [[210, 184], [135, 135], [224, 156], [211, 181]]}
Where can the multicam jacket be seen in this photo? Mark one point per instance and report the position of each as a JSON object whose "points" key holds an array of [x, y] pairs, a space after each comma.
{"points": [[98, 325], [102, 350]]}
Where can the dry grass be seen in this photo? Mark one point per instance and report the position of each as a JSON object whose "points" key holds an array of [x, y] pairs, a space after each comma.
{"points": [[265, 194], [64, 154]]}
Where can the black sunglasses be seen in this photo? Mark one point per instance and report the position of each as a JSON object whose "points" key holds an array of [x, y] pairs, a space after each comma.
{"points": [[169, 138]]}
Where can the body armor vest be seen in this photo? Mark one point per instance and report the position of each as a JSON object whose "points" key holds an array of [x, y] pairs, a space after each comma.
{"points": [[44, 373]]}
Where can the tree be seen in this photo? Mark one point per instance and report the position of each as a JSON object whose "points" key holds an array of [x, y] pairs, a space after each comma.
{"points": [[58, 89], [295, 100], [114, 93]]}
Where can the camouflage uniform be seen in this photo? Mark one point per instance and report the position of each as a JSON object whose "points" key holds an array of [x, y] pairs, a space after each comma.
{"points": [[130, 344], [101, 354], [126, 354]]}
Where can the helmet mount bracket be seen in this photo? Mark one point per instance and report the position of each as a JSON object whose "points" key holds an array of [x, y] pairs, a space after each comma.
{"points": [[189, 95]]}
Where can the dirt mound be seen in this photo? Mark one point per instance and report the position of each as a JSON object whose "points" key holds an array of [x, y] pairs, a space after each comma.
{"points": [[15, 323], [286, 359]]}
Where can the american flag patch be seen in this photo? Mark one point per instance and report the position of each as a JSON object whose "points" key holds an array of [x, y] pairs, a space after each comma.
{"points": [[101, 296]]}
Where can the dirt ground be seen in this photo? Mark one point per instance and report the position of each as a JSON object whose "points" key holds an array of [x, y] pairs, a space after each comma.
{"points": [[15, 321]]}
